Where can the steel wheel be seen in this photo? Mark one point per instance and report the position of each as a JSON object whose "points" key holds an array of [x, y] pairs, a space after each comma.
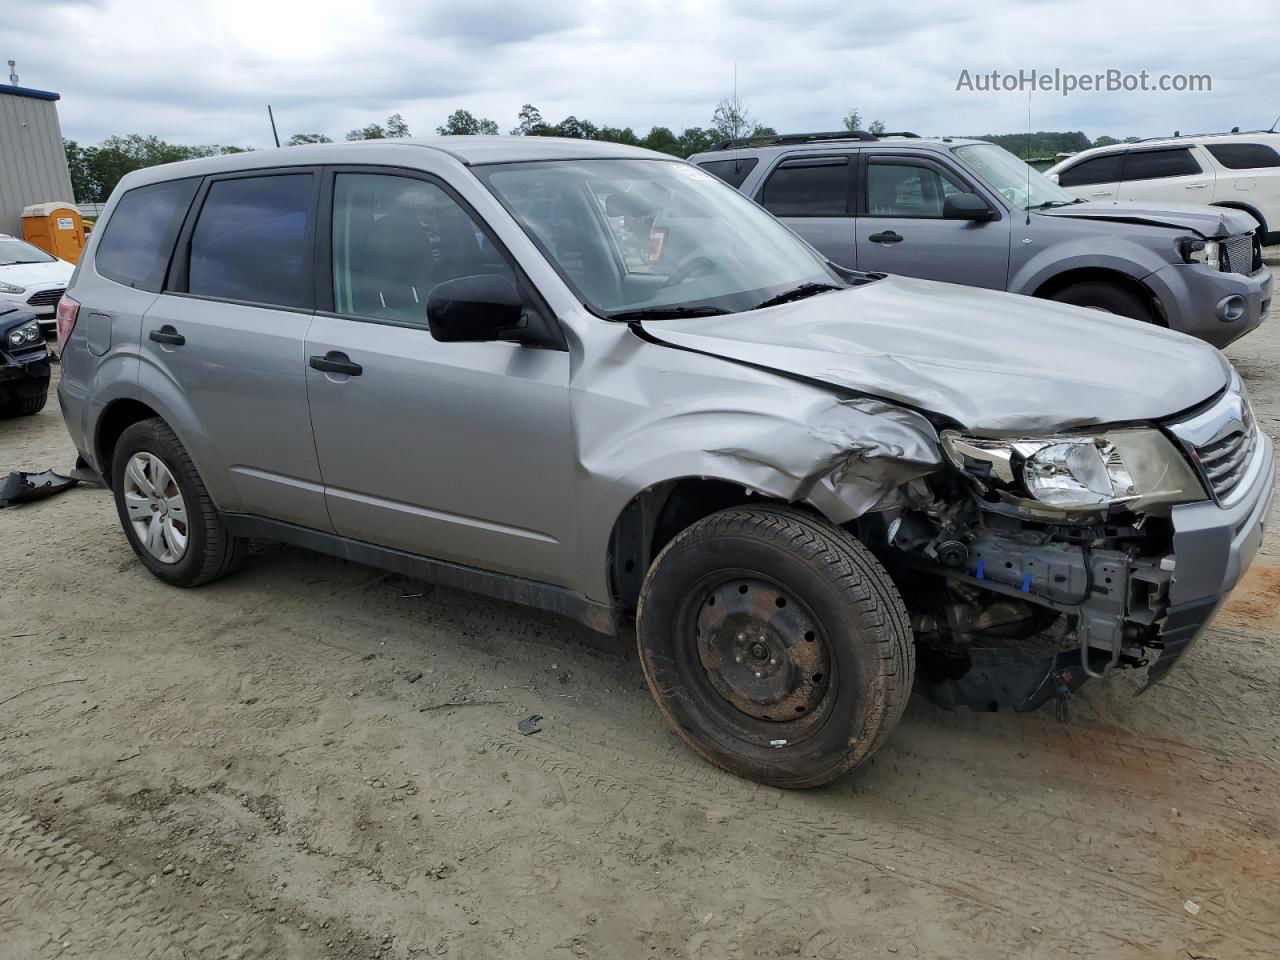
{"points": [[155, 507]]}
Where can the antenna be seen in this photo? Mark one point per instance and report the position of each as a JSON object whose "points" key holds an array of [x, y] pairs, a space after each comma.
{"points": [[1026, 199], [1272, 130], [13, 72], [273, 125]]}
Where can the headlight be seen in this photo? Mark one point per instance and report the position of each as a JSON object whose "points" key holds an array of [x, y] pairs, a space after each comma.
{"points": [[1207, 252], [1135, 467], [27, 333], [10, 288]]}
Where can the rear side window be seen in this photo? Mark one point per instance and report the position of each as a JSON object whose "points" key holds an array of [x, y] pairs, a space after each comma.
{"points": [[732, 172], [251, 241], [809, 187], [1244, 156], [138, 239], [1158, 164], [1096, 170]]}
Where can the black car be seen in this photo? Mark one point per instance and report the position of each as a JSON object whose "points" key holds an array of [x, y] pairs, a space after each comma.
{"points": [[24, 363]]}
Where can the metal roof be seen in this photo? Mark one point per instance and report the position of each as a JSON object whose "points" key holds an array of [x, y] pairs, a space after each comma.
{"points": [[16, 91]]}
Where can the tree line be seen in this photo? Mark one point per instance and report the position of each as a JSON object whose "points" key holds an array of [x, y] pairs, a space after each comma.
{"points": [[95, 170]]}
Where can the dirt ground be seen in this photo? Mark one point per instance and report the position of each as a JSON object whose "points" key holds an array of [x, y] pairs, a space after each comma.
{"points": [[318, 760]]}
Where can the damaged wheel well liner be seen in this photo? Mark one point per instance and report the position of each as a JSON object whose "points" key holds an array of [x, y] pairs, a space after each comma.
{"points": [[115, 420], [655, 516]]}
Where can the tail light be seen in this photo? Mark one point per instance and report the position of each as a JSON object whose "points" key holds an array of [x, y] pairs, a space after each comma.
{"points": [[68, 310]]}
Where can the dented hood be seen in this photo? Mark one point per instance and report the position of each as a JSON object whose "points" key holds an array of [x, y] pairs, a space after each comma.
{"points": [[1196, 217], [996, 363]]}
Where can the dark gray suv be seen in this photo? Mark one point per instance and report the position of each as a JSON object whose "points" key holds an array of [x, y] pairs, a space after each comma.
{"points": [[970, 212]]}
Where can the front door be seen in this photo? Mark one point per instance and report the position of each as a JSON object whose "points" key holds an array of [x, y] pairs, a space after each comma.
{"points": [[813, 196], [458, 451], [900, 228]]}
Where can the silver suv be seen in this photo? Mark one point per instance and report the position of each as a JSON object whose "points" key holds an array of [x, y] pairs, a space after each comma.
{"points": [[596, 380], [967, 211]]}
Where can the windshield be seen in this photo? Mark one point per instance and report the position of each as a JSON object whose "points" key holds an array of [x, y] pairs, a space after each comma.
{"points": [[1021, 185], [16, 251], [655, 236]]}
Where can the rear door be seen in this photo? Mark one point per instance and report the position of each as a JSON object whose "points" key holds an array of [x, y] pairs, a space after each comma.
{"points": [[813, 195], [459, 451], [1096, 179], [1169, 173], [900, 228], [225, 339]]}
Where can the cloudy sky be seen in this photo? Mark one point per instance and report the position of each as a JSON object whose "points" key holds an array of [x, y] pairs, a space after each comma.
{"points": [[203, 72]]}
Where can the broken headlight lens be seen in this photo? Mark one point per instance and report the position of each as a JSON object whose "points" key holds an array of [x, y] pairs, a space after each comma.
{"points": [[1208, 252], [1138, 468]]}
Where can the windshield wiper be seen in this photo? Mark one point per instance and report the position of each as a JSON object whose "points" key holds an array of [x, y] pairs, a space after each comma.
{"points": [[1053, 203], [667, 313], [797, 293]]}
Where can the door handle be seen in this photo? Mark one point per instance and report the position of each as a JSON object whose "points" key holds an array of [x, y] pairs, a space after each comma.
{"points": [[336, 362], [1100, 193], [887, 237], [1196, 186], [167, 334]]}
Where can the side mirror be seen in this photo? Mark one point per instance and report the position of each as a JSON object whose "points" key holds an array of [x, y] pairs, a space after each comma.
{"points": [[484, 307], [966, 206], [1052, 176]]}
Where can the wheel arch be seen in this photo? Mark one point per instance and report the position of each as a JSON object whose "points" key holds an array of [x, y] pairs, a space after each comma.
{"points": [[1248, 208], [1053, 285], [118, 416]]}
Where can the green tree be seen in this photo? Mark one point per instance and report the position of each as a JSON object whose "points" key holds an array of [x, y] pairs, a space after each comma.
{"points": [[300, 138], [80, 163], [531, 124], [762, 131], [396, 127], [876, 128], [662, 140], [732, 119], [462, 123], [618, 135], [374, 131], [574, 128], [697, 139], [852, 120]]}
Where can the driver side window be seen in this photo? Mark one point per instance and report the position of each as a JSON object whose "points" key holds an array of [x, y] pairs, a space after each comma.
{"points": [[907, 190], [395, 239]]}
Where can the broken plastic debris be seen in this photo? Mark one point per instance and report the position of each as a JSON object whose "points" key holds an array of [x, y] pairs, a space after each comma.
{"points": [[1191, 907], [530, 725], [20, 487]]}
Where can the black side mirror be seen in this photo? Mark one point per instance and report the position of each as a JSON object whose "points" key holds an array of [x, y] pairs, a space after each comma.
{"points": [[966, 206], [484, 307]]}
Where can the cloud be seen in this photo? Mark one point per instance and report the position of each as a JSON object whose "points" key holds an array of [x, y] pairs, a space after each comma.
{"points": [[203, 72]]}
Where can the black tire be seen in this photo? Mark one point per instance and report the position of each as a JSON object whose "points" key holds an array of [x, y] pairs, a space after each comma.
{"points": [[858, 629], [211, 551], [25, 406], [1111, 297]]}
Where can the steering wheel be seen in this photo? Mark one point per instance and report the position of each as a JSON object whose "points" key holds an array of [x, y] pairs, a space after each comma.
{"points": [[695, 266]]}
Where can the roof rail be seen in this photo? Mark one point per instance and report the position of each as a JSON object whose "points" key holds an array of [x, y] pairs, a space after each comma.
{"points": [[774, 139], [899, 133], [1179, 135]]}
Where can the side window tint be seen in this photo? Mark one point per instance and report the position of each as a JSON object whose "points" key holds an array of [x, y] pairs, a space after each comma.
{"points": [[732, 172], [1158, 164], [1244, 156], [1097, 170], [808, 188], [138, 239], [249, 242], [395, 239], [907, 190]]}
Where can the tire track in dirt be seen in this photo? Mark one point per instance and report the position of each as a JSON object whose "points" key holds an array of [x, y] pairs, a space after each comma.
{"points": [[59, 899], [964, 858]]}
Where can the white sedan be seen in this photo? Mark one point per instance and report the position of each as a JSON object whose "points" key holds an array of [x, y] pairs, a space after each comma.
{"points": [[32, 278]]}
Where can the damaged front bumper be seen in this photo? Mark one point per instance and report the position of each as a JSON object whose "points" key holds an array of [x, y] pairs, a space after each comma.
{"points": [[1127, 608]]}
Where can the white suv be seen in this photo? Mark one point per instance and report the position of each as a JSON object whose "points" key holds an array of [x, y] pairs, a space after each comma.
{"points": [[1240, 170]]}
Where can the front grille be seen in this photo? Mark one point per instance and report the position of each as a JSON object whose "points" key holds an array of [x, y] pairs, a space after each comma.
{"points": [[46, 298], [1238, 254], [1220, 440]]}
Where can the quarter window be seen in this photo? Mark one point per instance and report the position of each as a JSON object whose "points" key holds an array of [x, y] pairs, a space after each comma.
{"points": [[395, 239], [907, 190], [1244, 156], [250, 241], [732, 172], [1158, 164], [1105, 169], [808, 187], [138, 239]]}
